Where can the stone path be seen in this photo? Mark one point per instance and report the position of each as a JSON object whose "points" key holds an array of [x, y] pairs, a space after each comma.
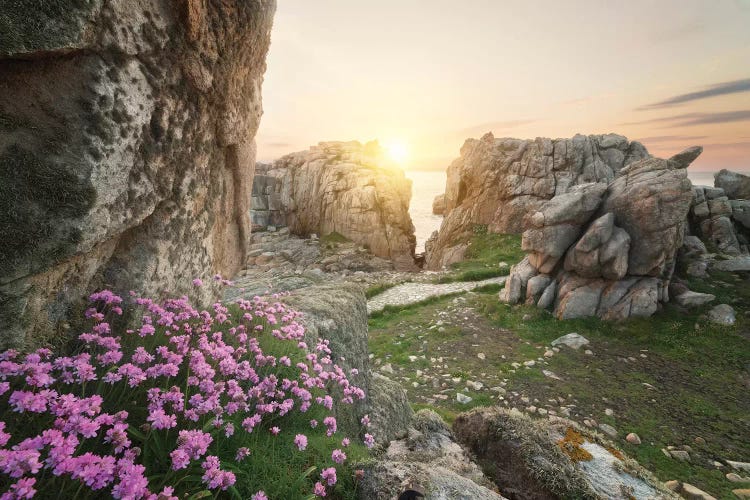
{"points": [[410, 293]]}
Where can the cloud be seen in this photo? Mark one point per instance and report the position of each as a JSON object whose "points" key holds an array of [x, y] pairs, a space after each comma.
{"points": [[492, 126], [718, 89], [690, 119], [671, 138]]}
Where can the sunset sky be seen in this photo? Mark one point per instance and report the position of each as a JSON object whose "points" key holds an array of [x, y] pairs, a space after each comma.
{"points": [[429, 74]]}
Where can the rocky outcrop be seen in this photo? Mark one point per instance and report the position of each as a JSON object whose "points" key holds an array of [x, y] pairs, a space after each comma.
{"points": [[265, 206], [438, 205], [428, 459], [606, 250], [496, 182], [549, 459], [126, 150], [350, 189], [720, 220], [735, 185]]}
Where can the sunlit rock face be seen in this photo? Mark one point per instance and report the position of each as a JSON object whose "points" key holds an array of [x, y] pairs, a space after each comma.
{"points": [[606, 250], [347, 188], [126, 150], [496, 182]]}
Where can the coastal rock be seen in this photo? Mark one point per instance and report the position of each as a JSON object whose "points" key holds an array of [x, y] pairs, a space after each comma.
{"points": [[349, 189], [558, 223], [735, 185], [438, 205], [693, 299], [429, 457], [127, 152], [497, 181], [601, 252], [723, 314]]}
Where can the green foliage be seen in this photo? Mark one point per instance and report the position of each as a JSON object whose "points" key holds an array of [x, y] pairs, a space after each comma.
{"points": [[483, 257], [378, 289], [334, 238]]}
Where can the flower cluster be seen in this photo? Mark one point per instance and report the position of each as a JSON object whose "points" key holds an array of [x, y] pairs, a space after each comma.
{"points": [[132, 415]]}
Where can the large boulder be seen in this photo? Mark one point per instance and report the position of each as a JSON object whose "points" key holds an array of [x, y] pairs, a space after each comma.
{"points": [[350, 189], [497, 181], [721, 222], [620, 243], [438, 205], [126, 150], [558, 224], [735, 185]]}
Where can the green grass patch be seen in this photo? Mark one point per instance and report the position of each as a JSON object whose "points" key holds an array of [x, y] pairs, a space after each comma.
{"points": [[378, 289], [484, 255], [334, 238]]}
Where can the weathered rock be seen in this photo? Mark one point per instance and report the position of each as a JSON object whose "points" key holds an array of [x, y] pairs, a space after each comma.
{"points": [[692, 246], [390, 412], [720, 221], [438, 205], [612, 300], [722, 314], [572, 340], [535, 287], [558, 223], [733, 265], [525, 458], [735, 185], [633, 438], [127, 151], [429, 457], [650, 200], [688, 491], [693, 299], [548, 296], [601, 252], [350, 189], [496, 182], [515, 285]]}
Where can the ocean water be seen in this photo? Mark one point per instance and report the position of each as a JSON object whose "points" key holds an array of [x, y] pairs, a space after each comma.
{"points": [[427, 185]]}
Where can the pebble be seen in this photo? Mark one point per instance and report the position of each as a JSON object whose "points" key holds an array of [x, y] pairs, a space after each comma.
{"points": [[387, 368], [588, 352], [609, 412], [736, 478], [550, 374], [542, 411], [531, 409], [633, 438], [463, 398], [700, 440], [529, 364], [477, 386], [608, 430], [681, 455], [739, 465], [549, 354], [481, 356]]}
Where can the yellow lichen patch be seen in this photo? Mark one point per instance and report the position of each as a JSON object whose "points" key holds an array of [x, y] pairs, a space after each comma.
{"points": [[616, 453], [571, 446]]}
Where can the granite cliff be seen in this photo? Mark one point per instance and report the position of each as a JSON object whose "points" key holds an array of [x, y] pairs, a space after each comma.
{"points": [[342, 187], [126, 150]]}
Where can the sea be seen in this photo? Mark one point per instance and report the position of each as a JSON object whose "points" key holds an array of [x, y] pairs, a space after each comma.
{"points": [[428, 184]]}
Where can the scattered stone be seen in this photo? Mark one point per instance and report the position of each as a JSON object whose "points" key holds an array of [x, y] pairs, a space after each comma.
{"points": [[526, 317], [529, 364], [588, 352], [549, 354], [681, 455], [481, 356], [736, 478], [608, 430], [723, 314], [387, 368], [742, 494], [572, 340], [699, 440], [633, 438], [694, 299], [477, 386], [609, 412], [463, 398], [550, 374], [531, 409], [745, 466]]}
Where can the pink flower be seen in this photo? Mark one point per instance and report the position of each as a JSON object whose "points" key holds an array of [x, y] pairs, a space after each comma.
{"points": [[275, 430], [319, 489], [329, 475], [197, 282], [23, 488], [345, 442], [301, 441], [369, 440], [338, 456], [242, 453], [261, 495]]}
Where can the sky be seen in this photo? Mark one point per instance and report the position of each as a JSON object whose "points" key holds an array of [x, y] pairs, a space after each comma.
{"points": [[422, 76]]}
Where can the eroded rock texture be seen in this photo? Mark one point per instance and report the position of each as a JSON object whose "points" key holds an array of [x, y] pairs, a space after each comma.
{"points": [[126, 149], [607, 250], [496, 182], [347, 188]]}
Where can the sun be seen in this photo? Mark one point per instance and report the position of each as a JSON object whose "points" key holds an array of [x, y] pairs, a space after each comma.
{"points": [[397, 150]]}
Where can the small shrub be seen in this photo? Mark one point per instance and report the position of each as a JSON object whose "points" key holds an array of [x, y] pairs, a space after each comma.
{"points": [[224, 403]]}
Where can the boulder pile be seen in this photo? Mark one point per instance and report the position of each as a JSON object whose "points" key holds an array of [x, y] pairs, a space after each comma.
{"points": [[606, 249]]}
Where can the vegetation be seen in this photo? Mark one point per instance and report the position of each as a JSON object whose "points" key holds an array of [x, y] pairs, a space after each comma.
{"points": [[674, 379], [190, 404], [485, 256], [378, 289]]}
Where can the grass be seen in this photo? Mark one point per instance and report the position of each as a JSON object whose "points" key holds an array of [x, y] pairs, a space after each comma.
{"points": [[484, 255], [334, 238], [378, 289], [698, 374]]}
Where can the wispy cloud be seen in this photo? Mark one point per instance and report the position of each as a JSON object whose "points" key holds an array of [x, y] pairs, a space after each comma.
{"points": [[671, 138], [718, 89], [492, 126], [690, 119]]}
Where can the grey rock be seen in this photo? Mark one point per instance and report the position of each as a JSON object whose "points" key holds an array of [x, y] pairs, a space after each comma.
{"points": [[548, 296], [572, 340], [736, 264], [694, 299], [608, 430], [133, 124], [602, 251], [686, 157], [692, 245], [390, 411], [535, 287], [722, 314], [735, 185]]}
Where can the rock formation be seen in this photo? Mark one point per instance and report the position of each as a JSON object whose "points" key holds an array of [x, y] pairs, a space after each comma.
{"points": [[719, 218], [438, 205], [496, 182], [735, 185], [126, 150], [606, 250], [350, 189]]}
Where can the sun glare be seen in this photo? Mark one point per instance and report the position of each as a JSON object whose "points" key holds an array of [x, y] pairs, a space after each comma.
{"points": [[398, 151]]}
